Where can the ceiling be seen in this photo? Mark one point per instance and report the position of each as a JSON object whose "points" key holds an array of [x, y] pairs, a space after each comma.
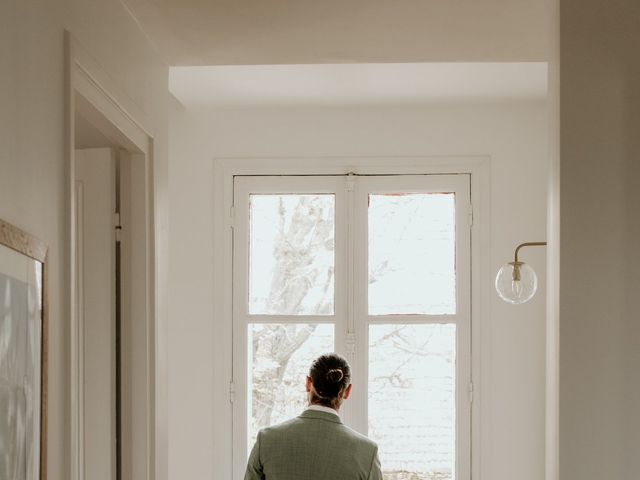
{"points": [[260, 32], [353, 84]]}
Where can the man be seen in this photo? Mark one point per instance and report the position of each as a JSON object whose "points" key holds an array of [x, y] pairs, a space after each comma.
{"points": [[316, 445]]}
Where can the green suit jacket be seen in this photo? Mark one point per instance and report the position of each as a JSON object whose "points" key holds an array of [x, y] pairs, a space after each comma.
{"points": [[314, 446]]}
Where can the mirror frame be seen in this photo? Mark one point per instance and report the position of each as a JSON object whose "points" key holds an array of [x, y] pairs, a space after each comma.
{"points": [[35, 249]]}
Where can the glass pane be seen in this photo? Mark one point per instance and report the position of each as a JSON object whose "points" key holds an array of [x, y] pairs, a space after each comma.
{"points": [[412, 406], [291, 266], [279, 359], [412, 254], [20, 364]]}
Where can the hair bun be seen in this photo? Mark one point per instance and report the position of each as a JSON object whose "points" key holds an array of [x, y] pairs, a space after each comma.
{"points": [[335, 375]]}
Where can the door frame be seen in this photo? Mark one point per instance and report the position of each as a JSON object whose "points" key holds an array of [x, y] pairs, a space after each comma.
{"points": [[224, 171], [90, 90]]}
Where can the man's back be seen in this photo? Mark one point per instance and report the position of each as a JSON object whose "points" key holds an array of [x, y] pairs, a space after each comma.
{"points": [[314, 446]]}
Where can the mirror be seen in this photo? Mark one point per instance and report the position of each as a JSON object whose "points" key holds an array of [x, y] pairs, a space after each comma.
{"points": [[23, 355]]}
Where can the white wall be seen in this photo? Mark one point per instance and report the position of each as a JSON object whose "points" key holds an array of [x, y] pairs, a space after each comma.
{"points": [[513, 338], [600, 235], [32, 176]]}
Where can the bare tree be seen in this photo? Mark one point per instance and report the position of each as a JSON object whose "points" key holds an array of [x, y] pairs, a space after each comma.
{"points": [[309, 231]]}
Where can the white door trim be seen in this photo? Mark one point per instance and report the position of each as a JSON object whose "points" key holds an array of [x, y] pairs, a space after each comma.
{"points": [[89, 89]]}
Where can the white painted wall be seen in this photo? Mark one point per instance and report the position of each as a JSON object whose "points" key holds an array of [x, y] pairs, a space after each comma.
{"points": [[32, 176], [512, 389], [600, 235]]}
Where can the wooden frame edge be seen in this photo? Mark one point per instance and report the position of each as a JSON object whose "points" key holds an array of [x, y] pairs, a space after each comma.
{"points": [[44, 374], [22, 242]]}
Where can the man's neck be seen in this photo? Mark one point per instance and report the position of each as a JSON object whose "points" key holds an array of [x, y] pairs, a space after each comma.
{"points": [[322, 408]]}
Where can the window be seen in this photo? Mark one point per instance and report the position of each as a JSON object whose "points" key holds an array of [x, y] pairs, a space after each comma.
{"points": [[376, 268]]}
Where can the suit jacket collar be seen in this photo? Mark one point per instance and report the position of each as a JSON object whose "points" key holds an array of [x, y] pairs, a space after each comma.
{"points": [[317, 415]]}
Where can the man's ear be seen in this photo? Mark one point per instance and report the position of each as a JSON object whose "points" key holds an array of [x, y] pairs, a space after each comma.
{"points": [[347, 391], [309, 384]]}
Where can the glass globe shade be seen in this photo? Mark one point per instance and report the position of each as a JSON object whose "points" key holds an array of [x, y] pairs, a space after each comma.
{"points": [[516, 282]]}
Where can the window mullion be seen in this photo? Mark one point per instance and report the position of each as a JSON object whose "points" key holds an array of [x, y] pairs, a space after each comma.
{"points": [[351, 275], [359, 242], [288, 319], [414, 319]]}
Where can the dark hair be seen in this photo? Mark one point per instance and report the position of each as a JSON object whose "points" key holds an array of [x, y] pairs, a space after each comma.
{"points": [[330, 375]]}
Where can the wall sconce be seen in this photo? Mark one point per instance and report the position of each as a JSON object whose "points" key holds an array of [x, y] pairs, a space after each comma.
{"points": [[516, 281]]}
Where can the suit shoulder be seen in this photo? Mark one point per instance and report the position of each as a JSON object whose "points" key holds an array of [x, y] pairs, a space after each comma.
{"points": [[360, 438], [278, 428]]}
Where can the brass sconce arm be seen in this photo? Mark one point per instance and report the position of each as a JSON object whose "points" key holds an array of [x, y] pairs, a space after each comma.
{"points": [[528, 244]]}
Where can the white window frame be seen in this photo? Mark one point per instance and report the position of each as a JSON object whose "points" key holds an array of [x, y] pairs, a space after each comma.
{"points": [[230, 456]]}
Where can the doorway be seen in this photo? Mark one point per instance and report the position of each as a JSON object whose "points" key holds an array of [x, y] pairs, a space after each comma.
{"points": [[112, 323]]}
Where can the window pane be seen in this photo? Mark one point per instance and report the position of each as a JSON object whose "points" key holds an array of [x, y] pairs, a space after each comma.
{"points": [[412, 407], [412, 254], [291, 264], [279, 359]]}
